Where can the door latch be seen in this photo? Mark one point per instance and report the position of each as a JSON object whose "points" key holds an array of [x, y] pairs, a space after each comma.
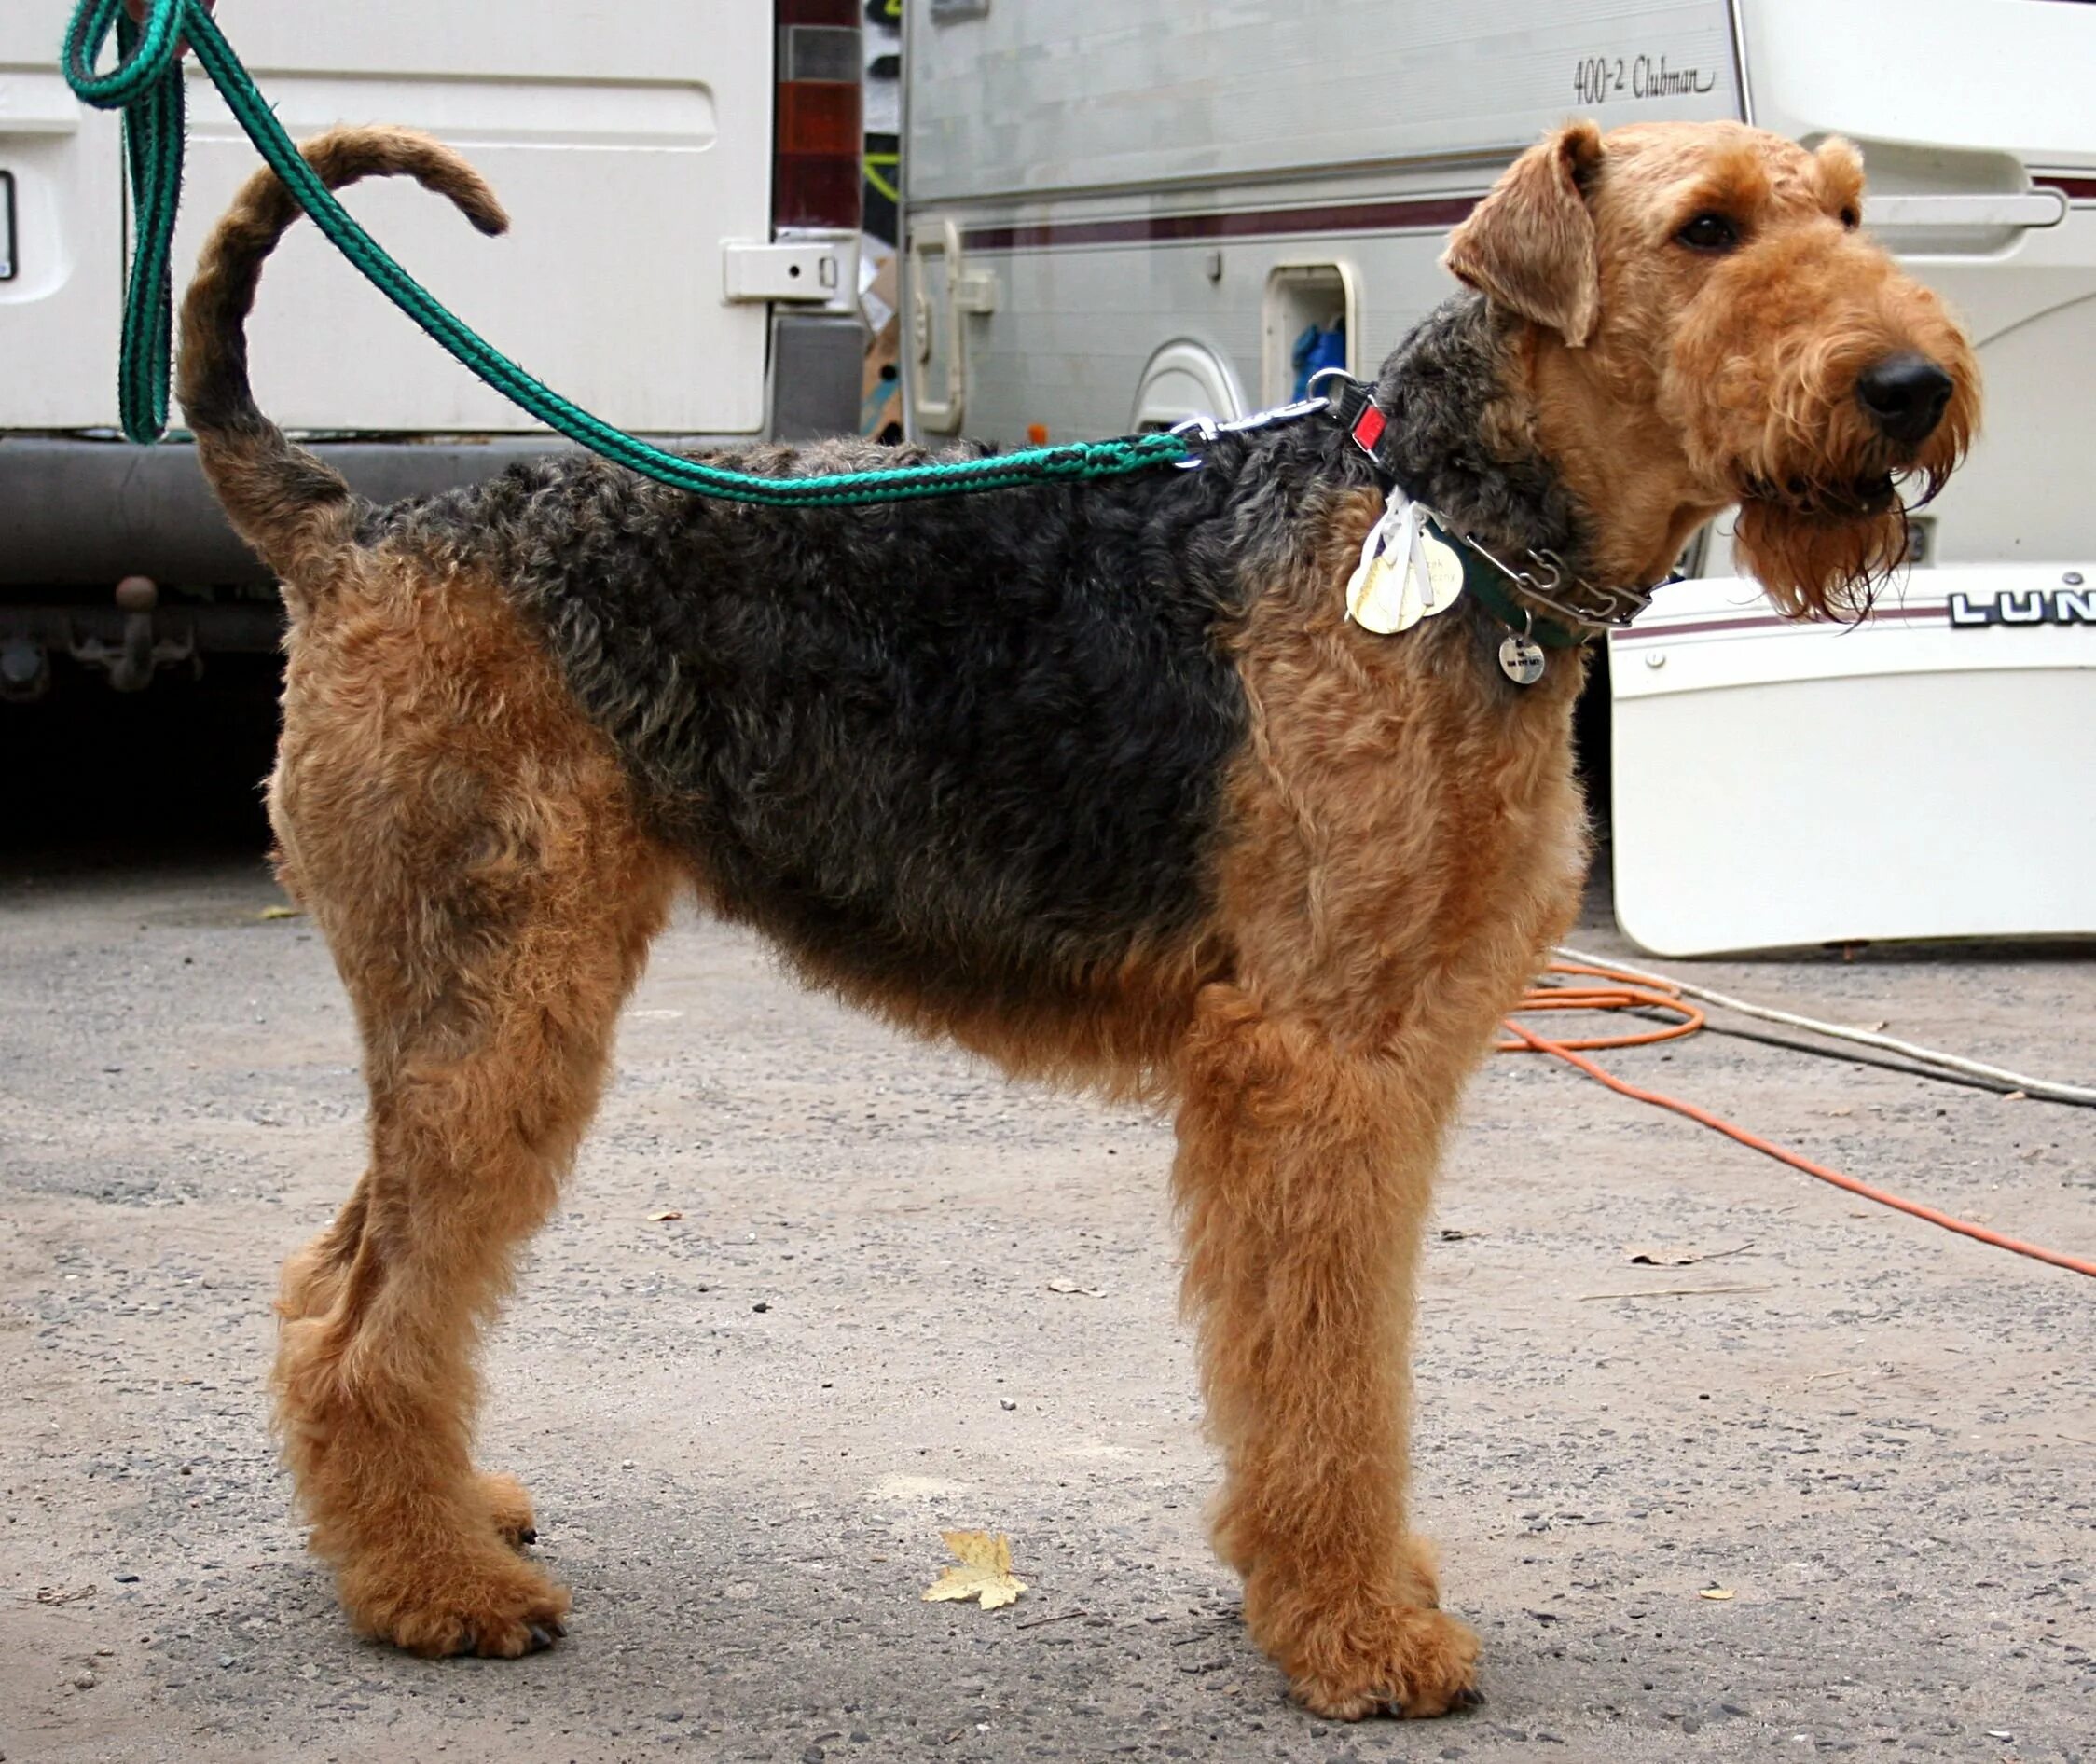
{"points": [[816, 270]]}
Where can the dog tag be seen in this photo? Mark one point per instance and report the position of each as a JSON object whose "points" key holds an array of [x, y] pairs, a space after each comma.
{"points": [[1405, 574], [1375, 591], [1521, 659]]}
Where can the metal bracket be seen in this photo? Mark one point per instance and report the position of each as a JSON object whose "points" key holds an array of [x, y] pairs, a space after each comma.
{"points": [[140, 654], [974, 291]]}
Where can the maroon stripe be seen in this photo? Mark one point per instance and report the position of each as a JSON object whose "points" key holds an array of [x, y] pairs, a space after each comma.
{"points": [[1338, 218], [1697, 628], [1425, 212]]}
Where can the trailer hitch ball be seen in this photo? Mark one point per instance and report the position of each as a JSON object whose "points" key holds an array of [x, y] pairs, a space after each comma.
{"points": [[130, 670]]}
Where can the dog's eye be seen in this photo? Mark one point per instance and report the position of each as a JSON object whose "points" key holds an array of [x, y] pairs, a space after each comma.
{"points": [[1709, 232], [1851, 219]]}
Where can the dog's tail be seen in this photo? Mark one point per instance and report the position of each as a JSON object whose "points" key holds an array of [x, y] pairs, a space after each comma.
{"points": [[296, 510]]}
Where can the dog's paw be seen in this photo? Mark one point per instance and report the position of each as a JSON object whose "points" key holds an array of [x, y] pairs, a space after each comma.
{"points": [[486, 1602], [1401, 1660], [509, 1508]]}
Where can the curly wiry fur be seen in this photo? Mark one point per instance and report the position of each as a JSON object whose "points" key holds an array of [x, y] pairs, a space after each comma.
{"points": [[1098, 780], [972, 746], [1458, 447], [979, 749]]}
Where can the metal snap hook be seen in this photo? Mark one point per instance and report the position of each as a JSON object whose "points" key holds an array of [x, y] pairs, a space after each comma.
{"points": [[1203, 429]]}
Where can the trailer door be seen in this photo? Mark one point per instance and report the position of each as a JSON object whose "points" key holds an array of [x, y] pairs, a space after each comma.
{"points": [[628, 143]]}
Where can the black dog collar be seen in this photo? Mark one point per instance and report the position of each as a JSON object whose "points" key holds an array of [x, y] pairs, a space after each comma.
{"points": [[1352, 406]]}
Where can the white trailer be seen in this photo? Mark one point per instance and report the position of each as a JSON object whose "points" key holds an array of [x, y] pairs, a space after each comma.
{"points": [[683, 181], [1119, 216]]}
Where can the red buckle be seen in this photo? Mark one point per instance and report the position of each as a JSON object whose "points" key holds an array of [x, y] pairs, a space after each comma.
{"points": [[1368, 427]]}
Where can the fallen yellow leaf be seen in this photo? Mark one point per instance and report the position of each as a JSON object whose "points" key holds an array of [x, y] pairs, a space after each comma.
{"points": [[280, 912], [986, 1570], [1715, 1593], [667, 1213]]}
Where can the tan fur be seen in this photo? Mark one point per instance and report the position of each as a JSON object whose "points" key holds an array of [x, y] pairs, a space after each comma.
{"points": [[1410, 840], [1403, 840], [467, 843]]}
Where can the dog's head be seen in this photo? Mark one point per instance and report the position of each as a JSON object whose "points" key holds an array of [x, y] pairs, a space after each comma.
{"points": [[1710, 326]]}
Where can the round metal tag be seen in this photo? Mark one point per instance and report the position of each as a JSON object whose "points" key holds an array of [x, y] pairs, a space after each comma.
{"points": [[1520, 660]]}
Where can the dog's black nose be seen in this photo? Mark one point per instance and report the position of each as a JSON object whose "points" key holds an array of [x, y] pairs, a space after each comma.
{"points": [[1905, 396]]}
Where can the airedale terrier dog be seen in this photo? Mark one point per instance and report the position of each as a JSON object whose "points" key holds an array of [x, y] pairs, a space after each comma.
{"points": [[1112, 783]]}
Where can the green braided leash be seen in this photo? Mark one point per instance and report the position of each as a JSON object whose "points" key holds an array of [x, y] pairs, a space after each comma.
{"points": [[147, 86]]}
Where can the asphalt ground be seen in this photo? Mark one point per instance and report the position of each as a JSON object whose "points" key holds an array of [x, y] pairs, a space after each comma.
{"points": [[746, 1426]]}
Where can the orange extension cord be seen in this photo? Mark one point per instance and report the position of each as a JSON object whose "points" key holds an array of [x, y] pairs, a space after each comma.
{"points": [[1623, 993]]}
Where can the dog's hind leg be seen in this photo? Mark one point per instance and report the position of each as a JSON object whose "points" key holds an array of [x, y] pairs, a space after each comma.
{"points": [[469, 848], [1302, 1176], [311, 1285]]}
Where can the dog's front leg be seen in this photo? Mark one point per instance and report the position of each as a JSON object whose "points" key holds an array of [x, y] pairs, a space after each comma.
{"points": [[1302, 1175]]}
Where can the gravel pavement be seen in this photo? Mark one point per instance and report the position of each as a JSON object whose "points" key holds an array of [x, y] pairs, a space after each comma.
{"points": [[745, 1427]]}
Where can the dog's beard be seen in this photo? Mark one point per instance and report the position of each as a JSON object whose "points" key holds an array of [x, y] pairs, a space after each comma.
{"points": [[1823, 546], [1817, 565]]}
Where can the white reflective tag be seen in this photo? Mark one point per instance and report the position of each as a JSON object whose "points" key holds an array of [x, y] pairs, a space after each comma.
{"points": [[1405, 574]]}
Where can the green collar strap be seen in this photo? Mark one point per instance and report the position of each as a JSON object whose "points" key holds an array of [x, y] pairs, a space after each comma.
{"points": [[1485, 578]]}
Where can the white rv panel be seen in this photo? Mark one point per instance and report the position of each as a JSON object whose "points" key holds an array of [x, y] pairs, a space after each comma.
{"points": [[1924, 775], [1086, 94], [1999, 78], [1133, 178]]}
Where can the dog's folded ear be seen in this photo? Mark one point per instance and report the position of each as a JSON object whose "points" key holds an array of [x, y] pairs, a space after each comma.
{"points": [[1530, 244]]}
